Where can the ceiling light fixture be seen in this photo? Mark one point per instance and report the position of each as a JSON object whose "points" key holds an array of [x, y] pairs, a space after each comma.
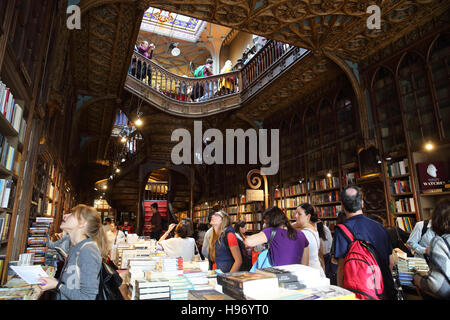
{"points": [[174, 50], [138, 122], [429, 146], [117, 170]]}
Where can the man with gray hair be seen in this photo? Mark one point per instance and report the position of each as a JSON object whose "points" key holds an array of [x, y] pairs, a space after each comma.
{"points": [[367, 230]]}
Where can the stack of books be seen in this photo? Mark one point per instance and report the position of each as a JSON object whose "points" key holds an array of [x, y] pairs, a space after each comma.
{"points": [[137, 267], [152, 290], [207, 294], [199, 279], [171, 265], [407, 267], [179, 287], [240, 285], [37, 239], [286, 279], [308, 276]]}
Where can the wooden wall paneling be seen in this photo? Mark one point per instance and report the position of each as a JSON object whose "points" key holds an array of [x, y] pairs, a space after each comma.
{"points": [[6, 15]]}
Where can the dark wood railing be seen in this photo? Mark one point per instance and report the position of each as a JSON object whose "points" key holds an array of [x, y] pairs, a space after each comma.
{"points": [[266, 57], [180, 88], [191, 90]]}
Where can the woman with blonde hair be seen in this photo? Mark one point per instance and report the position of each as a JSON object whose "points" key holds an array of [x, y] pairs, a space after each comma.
{"points": [[223, 247], [227, 83], [79, 279]]}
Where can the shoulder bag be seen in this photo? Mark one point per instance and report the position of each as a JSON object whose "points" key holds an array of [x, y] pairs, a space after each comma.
{"points": [[265, 258]]}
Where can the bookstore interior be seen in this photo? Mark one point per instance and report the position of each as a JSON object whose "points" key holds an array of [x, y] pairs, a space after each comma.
{"points": [[118, 123]]}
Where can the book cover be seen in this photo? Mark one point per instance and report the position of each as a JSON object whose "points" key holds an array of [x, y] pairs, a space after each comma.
{"points": [[295, 285], [233, 292], [209, 294], [282, 275], [243, 278]]}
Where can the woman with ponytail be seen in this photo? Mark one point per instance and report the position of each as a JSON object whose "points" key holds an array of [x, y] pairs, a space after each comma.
{"points": [[79, 279], [306, 219], [289, 246]]}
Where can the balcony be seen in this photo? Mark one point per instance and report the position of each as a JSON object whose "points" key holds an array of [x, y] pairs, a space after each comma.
{"points": [[199, 97]]}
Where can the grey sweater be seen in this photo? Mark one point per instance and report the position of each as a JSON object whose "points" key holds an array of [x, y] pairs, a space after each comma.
{"points": [[80, 273], [437, 280]]}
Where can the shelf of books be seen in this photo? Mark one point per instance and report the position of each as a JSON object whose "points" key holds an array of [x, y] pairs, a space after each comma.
{"points": [[201, 212], [251, 213], [402, 205], [12, 132], [13, 126]]}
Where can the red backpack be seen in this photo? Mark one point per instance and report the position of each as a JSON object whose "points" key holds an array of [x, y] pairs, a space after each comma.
{"points": [[362, 274]]}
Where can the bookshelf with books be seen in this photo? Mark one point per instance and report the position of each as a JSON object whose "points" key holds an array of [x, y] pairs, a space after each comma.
{"points": [[400, 192], [251, 213], [201, 212], [12, 133]]}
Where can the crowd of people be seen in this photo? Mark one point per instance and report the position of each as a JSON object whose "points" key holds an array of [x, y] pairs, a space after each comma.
{"points": [[202, 90], [307, 241]]}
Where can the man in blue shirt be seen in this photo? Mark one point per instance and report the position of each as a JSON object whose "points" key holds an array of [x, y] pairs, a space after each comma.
{"points": [[365, 229]]}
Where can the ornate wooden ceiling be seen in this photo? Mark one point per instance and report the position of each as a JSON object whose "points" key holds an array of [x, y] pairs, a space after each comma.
{"points": [[101, 50], [336, 25]]}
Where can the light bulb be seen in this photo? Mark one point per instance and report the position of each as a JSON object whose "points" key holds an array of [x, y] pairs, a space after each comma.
{"points": [[138, 122], [429, 146], [329, 174], [117, 170], [123, 139], [105, 187]]}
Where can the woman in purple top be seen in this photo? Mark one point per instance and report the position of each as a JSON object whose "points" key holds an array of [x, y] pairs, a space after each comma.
{"points": [[289, 245]]}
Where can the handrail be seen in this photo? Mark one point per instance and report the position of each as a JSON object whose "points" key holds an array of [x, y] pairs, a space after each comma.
{"points": [[184, 89], [266, 57], [186, 96]]}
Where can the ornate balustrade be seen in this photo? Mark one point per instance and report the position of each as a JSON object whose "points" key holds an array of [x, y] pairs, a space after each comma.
{"points": [[194, 97]]}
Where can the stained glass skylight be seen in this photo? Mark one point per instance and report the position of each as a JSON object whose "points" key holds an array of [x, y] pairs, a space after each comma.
{"points": [[171, 24]]}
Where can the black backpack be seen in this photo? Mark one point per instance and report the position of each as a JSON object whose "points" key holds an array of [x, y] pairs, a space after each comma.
{"points": [[246, 258], [109, 283]]}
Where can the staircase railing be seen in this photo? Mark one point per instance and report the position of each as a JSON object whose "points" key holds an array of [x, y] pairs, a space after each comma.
{"points": [[183, 89], [266, 65], [266, 57]]}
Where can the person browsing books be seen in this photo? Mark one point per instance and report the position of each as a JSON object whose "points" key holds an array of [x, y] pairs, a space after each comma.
{"points": [[289, 246], [420, 239], [114, 236], [181, 245], [306, 219], [223, 247], [79, 278], [437, 283]]}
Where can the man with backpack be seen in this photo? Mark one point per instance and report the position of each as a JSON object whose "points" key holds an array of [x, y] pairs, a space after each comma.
{"points": [[363, 250], [420, 238]]}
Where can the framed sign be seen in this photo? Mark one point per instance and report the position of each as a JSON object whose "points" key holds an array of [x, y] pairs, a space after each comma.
{"points": [[254, 195]]}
